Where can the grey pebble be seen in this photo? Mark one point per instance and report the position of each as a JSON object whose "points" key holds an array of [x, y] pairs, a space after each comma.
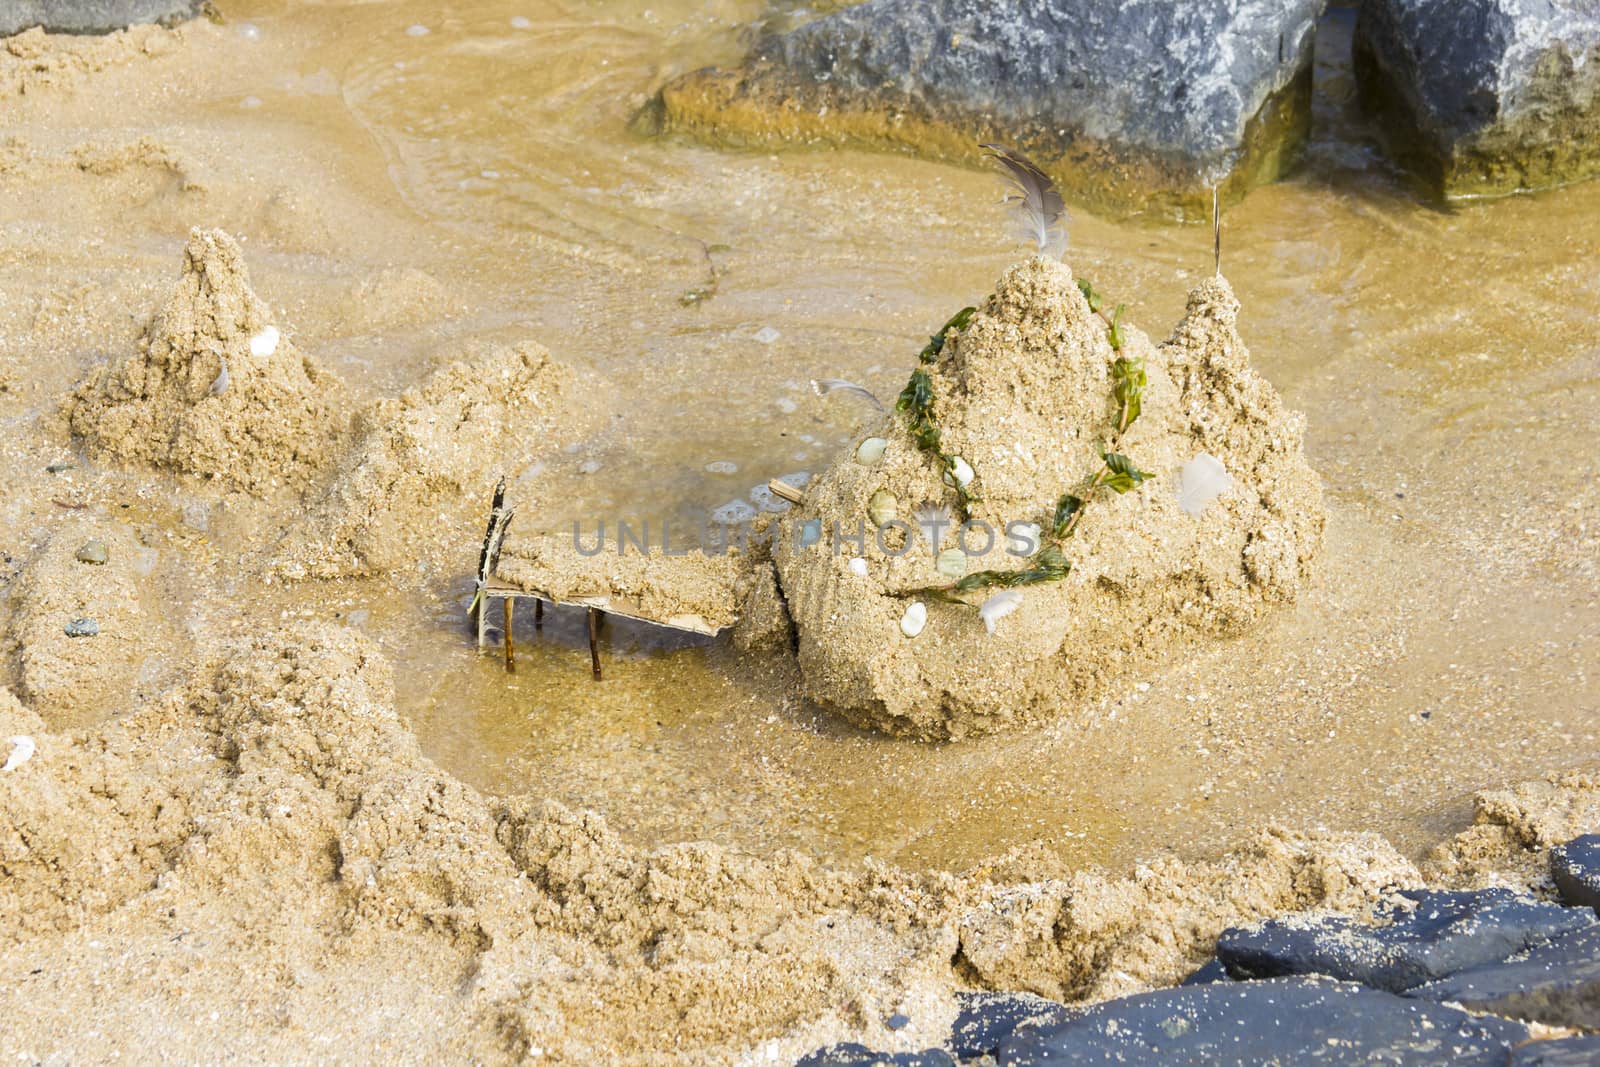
{"points": [[93, 552], [82, 628]]}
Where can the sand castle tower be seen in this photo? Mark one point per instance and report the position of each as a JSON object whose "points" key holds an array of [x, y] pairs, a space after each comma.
{"points": [[214, 389], [1076, 545]]}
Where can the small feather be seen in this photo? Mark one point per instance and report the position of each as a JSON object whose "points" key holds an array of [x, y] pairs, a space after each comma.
{"points": [[998, 607], [1201, 481], [22, 749], [219, 384], [936, 521], [1035, 202], [824, 386]]}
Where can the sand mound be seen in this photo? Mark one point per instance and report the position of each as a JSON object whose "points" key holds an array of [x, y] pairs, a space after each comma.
{"points": [[89, 631], [423, 465], [1024, 397], [271, 833], [214, 389]]}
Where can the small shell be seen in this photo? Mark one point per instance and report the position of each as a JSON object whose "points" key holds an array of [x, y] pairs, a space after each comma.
{"points": [[915, 618], [219, 384], [858, 567], [265, 342], [22, 749], [998, 607], [952, 563], [883, 508], [959, 474], [871, 451]]}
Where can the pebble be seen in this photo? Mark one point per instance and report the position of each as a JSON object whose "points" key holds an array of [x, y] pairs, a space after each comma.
{"points": [[915, 618], [197, 517], [82, 628], [265, 342], [93, 552], [858, 566]]}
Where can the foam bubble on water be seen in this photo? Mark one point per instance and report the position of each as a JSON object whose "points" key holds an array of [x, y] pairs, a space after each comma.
{"points": [[733, 513], [787, 406], [767, 500], [248, 30], [250, 103], [766, 335], [722, 466], [589, 466], [418, 30], [521, 22]]}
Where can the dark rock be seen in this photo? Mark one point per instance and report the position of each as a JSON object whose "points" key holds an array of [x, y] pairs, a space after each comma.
{"points": [[987, 1020], [82, 628], [1445, 932], [851, 1054], [1575, 868], [1213, 971], [897, 1021], [1556, 983], [1485, 97], [1566, 1052], [1279, 1020], [91, 16], [1126, 105]]}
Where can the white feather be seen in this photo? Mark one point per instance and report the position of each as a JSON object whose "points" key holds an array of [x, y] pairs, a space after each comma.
{"points": [[937, 523], [1201, 481], [998, 607], [824, 386], [22, 749]]}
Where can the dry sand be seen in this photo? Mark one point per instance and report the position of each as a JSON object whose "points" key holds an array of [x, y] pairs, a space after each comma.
{"points": [[228, 843]]}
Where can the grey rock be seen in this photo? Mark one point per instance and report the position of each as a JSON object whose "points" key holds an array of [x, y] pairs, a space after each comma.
{"points": [[93, 552], [1445, 932], [1126, 104], [987, 1020], [1575, 868], [1565, 1052], [1556, 983], [82, 628], [1213, 971], [851, 1054], [1277, 1021], [91, 16], [1485, 97]]}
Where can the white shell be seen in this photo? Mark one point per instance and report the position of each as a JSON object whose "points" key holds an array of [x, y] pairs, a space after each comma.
{"points": [[264, 343], [1025, 535], [998, 607], [959, 474], [22, 749], [1201, 481], [952, 563], [883, 508], [858, 567], [915, 618], [219, 384], [871, 451]]}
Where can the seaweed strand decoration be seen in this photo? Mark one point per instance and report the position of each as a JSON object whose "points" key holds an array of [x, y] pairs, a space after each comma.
{"points": [[917, 402]]}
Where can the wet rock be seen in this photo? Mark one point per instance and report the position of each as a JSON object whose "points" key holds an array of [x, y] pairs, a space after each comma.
{"points": [[1485, 97], [93, 552], [1566, 1052], [91, 16], [1128, 106], [82, 628], [1444, 933], [1280, 1020], [1557, 982], [851, 1054], [1575, 868], [987, 1020], [1213, 971]]}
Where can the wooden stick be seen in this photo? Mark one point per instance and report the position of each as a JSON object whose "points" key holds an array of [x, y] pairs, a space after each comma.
{"points": [[594, 641], [785, 490], [511, 655], [538, 614]]}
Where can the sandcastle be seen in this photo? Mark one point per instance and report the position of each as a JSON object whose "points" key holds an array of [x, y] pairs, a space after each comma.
{"points": [[1089, 525], [214, 388]]}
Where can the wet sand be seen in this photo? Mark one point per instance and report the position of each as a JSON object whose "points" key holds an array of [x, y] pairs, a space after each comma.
{"points": [[404, 199]]}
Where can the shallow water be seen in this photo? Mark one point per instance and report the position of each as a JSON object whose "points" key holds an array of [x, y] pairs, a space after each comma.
{"points": [[1447, 362]]}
